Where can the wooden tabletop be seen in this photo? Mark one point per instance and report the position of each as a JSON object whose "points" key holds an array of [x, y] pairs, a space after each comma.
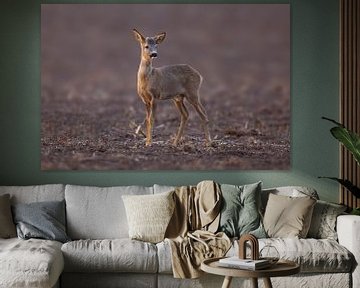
{"points": [[281, 268]]}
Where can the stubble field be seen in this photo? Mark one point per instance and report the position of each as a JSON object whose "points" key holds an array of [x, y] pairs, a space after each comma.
{"points": [[90, 107]]}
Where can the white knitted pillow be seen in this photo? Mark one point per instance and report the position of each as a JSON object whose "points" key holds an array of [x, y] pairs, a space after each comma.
{"points": [[149, 215]]}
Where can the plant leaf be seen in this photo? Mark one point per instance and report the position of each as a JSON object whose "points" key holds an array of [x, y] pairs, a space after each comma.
{"points": [[348, 138], [333, 121], [347, 184]]}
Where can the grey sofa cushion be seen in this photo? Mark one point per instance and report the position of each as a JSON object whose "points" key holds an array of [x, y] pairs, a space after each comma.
{"points": [[98, 213], [44, 220], [30, 263], [117, 255]]}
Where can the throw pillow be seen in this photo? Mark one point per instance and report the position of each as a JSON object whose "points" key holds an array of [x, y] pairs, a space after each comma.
{"points": [[7, 227], [323, 223], [240, 213], [288, 217], [43, 220], [149, 215]]}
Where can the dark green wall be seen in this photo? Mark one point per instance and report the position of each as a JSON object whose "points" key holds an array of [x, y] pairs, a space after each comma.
{"points": [[314, 80]]}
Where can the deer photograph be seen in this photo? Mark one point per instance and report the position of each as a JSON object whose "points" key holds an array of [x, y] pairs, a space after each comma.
{"points": [[165, 87], [172, 82]]}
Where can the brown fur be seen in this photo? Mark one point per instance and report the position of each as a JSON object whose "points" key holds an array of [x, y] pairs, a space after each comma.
{"points": [[175, 82]]}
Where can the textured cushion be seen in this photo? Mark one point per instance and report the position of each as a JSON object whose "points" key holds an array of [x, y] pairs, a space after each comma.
{"points": [[37, 193], [149, 215], [117, 255], [240, 210], [287, 216], [44, 220], [31, 263], [323, 222], [7, 227], [98, 213]]}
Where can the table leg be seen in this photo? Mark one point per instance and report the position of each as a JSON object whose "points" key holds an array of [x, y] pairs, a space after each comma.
{"points": [[227, 282], [267, 283], [254, 282]]}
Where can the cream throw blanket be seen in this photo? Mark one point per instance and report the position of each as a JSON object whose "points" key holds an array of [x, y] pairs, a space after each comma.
{"points": [[191, 231]]}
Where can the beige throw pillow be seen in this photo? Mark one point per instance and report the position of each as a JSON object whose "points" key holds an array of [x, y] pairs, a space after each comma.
{"points": [[288, 217], [149, 215], [7, 226]]}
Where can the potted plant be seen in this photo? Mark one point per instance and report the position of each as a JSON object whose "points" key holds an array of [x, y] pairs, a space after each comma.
{"points": [[351, 141]]}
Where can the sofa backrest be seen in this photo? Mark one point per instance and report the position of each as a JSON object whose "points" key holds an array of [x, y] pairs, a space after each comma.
{"points": [[98, 213], [36, 193], [162, 188]]}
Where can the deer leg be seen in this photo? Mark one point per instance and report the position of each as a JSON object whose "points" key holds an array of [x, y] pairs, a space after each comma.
{"points": [[184, 114], [202, 113], [149, 122]]}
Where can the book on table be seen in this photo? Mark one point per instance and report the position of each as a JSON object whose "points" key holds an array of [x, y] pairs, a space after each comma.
{"points": [[249, 264]]}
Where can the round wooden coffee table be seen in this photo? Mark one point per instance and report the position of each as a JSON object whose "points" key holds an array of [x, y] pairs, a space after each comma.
{"points": [[281, 268]]}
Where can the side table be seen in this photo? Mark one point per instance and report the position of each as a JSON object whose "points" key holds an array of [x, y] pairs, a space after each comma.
{"points": [[281, 268]]}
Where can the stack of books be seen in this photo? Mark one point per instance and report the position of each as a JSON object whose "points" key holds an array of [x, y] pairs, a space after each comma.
{"points": [[248, 264]]}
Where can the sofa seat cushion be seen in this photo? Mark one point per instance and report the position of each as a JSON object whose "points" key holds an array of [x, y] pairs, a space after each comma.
{"points": [[30, 263], [313, 255], [110, 255]]}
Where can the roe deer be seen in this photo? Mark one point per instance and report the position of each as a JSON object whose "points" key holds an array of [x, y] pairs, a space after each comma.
{"points": [[174, 82]]}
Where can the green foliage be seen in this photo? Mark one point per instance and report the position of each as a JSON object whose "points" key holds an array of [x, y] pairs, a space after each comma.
{"points": [[355, 211], [351, 141], [348, 138]]}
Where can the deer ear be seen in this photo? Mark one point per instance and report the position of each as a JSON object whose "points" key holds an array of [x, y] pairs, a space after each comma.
{"points": [[138, 36], [160, 37]]}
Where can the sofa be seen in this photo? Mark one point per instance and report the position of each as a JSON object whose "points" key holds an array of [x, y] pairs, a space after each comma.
{"points": [[101, 254]]}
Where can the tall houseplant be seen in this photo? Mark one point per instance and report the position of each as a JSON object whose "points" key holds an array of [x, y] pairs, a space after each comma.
{"points": [[351, 141]]}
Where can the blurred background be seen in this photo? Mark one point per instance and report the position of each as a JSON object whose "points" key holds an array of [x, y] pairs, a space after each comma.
{"points": [[89, 62]]}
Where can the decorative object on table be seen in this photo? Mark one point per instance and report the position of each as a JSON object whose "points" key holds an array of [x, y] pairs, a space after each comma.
{"points": [[282, 268], [254, 246], [241, 261], [351, 142], [247, 264], [269, 253]]}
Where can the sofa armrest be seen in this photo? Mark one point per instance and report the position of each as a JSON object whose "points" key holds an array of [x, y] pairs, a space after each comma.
{"points": [[348, 230]]}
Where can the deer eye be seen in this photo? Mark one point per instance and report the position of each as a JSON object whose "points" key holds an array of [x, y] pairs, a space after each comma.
{"points": [[146, 47]]}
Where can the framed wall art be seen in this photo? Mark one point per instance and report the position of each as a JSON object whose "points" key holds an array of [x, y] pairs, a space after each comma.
{"points": [[165, 86]]}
